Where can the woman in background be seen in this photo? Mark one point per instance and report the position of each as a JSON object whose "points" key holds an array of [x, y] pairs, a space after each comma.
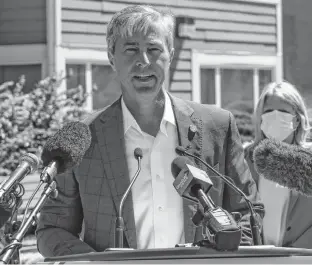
{"points": [[282, 115]]}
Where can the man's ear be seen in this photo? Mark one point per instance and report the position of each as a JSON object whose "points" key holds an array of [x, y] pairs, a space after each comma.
{"points": [[171, 55], [111, 59]]}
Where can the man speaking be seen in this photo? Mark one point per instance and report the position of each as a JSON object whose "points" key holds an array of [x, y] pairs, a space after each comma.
{"points": [[140, 43]]}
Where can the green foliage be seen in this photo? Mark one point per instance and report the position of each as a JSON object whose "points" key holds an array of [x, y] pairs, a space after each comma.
{"points": [[27, 120], [243, 113]]}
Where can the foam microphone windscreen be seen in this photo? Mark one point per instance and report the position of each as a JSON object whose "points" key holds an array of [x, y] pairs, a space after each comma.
{"points": [[67, 146], [286, 164]]}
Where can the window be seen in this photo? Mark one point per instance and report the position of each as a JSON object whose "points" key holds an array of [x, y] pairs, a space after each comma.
{"points": [[207, 78], [97, 80], [227, 87], [224, 79], [31, 72], [265, 77], [236, 86], [76, 76], [105, 92]]}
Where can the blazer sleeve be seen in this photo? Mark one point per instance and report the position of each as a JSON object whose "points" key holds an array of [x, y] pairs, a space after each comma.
{"points": [[60, 221], [236, 168]]}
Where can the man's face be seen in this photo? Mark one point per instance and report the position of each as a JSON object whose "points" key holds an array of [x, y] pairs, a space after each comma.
{"points": [[142, 62]]}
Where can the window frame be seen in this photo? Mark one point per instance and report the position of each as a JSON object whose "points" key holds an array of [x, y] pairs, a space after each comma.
{"points": [[218, 61], [88, 58]]}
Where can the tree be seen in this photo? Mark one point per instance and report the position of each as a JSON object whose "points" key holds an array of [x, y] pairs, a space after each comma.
{"points": [[27, 120]]}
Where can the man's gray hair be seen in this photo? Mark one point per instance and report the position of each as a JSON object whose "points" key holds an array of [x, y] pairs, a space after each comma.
{"points": [[138, 18]]}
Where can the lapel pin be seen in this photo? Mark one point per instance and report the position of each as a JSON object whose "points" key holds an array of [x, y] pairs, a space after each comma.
{"points": [[191, 132]]}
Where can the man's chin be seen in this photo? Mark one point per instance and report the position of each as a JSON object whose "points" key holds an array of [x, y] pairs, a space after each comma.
{"points": [[146, 89]]}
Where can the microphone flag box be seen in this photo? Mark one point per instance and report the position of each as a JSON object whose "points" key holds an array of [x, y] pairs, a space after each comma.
{"points": [[189, 177]]}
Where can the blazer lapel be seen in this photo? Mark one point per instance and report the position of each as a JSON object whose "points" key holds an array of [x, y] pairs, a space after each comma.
{"points": [[294, 196], [110, 135], [185, 117]]}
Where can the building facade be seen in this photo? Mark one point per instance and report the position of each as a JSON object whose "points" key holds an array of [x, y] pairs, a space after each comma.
{"points": [[225, 50], [297, 52]]}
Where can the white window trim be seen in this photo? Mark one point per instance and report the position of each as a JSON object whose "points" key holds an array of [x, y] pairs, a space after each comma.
{"points": [[279, 36], [25, 54], [86, 57], [276, 2], [200, 59]]}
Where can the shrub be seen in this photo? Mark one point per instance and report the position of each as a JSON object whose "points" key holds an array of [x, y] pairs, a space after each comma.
{"points": [[243, 111], [27, 120]]}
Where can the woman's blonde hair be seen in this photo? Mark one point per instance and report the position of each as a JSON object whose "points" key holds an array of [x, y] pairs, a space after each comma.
{"points": [[289, 94]]}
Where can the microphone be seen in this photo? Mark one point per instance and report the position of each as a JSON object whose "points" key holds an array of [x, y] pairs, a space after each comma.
{"points": [[27, 164], [288, 165], [188, 179], [62, 151], [65, 149], [255, 230], [190, 182], [120, 225]]}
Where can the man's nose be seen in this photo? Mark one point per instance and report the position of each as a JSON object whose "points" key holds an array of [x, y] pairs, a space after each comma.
{"points": [[143, 60]]}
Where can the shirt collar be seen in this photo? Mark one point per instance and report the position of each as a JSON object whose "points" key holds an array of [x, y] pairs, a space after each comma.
{"points": [[129, 121], [168, 116]]}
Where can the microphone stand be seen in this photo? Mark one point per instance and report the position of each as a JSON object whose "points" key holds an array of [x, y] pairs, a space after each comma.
{"points": [[255, 230], [120, 225], [12, 200], [17, 238]]}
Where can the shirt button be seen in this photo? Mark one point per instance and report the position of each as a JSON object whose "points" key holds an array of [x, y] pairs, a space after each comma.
{"points": [[157, 177], [160, 208]]}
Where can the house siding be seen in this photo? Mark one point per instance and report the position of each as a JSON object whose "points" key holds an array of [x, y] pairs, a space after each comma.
{"points": [[221, 27], [297, 38], [22, 22]]}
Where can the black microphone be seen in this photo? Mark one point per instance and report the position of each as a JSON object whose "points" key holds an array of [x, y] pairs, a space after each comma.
{"points": [[28, 164], [188, 179], [65, 149], [255, 229], [288, 165], [120, 226], [5, 214], [190, 182]]}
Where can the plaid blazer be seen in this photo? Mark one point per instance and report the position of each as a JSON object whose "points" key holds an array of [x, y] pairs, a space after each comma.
{"points": [[91, 192]]}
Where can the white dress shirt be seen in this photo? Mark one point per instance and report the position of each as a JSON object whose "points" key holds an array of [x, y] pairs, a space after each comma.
{"points": [[158, 208], [276, 200]]}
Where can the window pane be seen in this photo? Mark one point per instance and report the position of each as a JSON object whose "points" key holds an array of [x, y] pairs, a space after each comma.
{"points": [[207, 81], [265, 77], [105, 91], [236, 88], [76, 75], [237, 97], [32, 74]]}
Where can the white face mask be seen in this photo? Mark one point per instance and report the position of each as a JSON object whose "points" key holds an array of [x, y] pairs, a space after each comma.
{"points": [[277, 125]]}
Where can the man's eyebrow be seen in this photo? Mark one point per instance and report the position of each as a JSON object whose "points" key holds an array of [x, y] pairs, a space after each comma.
{"points": [[130, 43]]}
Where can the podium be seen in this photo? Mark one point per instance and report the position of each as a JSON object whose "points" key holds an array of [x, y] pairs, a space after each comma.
{"points": [[191, 255]]}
